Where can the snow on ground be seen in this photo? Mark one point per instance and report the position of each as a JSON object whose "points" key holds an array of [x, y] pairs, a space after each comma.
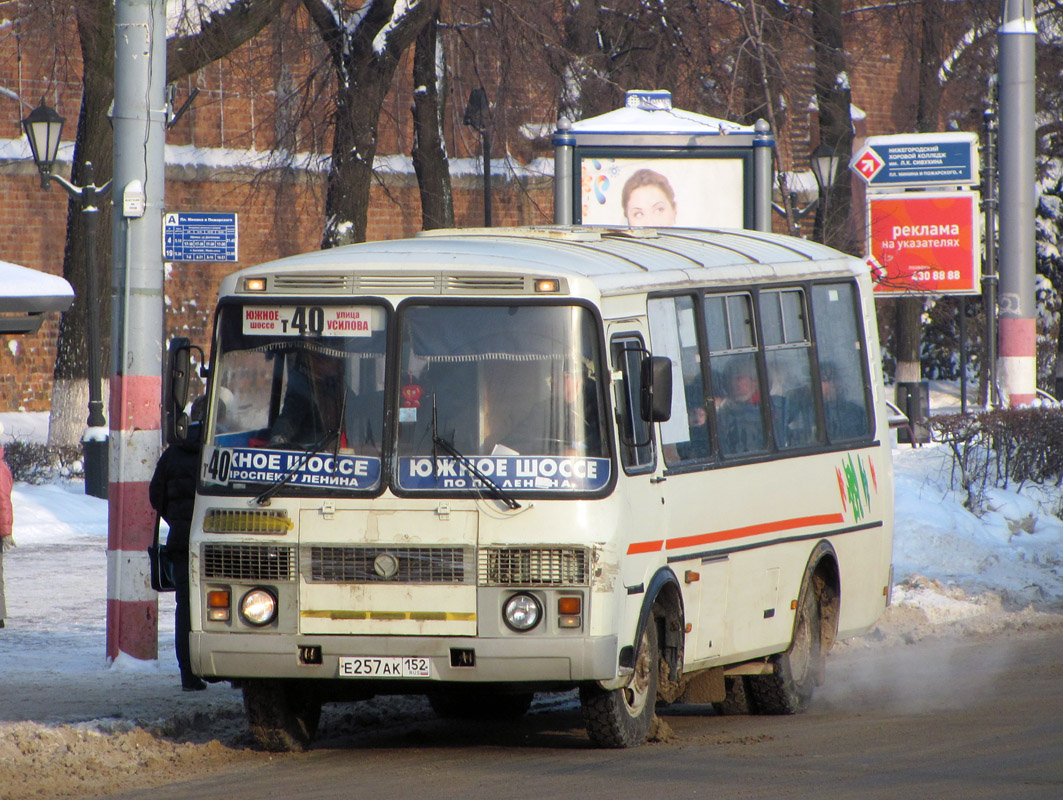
{"points": [[952, 570]]}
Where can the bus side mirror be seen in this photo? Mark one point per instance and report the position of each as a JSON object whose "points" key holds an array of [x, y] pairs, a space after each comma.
{"points": [[656, 388], [175, 393]]}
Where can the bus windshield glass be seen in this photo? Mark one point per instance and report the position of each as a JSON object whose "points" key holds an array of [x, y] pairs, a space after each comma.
{"points": [[513, 392], [299, 398]]}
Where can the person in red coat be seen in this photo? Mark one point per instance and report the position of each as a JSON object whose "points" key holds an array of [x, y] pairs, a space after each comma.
{"points": [[7, 523]]}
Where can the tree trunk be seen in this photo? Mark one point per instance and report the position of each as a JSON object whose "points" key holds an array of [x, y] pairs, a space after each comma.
{"points": [[835, 125], [429, 151], [93, 143]]}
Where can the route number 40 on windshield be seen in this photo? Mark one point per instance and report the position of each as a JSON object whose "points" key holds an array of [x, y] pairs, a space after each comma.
{"points": [[307, 321]]}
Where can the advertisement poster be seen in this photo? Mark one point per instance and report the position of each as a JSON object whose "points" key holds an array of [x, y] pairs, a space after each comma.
{"points": [[663, 192], [924, 243]]}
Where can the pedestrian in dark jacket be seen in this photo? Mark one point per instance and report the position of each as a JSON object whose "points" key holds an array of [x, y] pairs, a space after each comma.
{"points": [[172, 493]]}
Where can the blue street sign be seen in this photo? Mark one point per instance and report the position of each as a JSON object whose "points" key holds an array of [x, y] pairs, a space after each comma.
{"points": [[918, 159], [199, 236]]}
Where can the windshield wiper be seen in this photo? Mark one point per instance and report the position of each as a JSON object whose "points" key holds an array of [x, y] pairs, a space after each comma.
{"points": [[310, 449], [497, 491]]}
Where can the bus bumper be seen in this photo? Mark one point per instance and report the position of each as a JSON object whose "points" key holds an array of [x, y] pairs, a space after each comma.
{"points": [[458, 660]]}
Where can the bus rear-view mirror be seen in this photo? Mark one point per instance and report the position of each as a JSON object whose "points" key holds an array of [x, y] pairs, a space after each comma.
{"points": [[656, 388]]}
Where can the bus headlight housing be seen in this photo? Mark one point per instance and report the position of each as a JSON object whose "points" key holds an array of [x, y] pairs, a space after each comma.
{"points": [[258, 607], [522, 612]]}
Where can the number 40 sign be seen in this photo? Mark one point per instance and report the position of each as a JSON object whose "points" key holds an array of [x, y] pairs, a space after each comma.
{"points": [[924, 243]]}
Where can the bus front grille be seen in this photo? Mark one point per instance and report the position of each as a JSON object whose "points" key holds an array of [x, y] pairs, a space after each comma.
{"points": [[391, 564], [248, 562], [533, 566]]}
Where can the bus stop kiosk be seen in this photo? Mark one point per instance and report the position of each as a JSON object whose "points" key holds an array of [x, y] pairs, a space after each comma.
{"points": [[651, 164]]}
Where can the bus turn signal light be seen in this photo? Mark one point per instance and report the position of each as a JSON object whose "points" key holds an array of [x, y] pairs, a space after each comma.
{"points": [[218, 605]]}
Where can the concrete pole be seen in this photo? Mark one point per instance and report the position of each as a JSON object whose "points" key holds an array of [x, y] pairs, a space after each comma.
{"points": [[564, 142], [137, 322], [763, 175], [1017, 365]]}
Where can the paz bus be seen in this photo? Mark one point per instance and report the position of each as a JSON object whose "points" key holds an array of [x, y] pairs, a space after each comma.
{"points": [[648, 465]]}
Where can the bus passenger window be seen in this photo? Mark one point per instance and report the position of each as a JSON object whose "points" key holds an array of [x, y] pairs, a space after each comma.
{"points": [[674, 332], [736, 377], [841, 361], [788, 354]]}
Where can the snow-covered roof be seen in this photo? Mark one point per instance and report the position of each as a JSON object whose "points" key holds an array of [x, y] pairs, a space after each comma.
{"points": [[658, 121], [26, 294]]}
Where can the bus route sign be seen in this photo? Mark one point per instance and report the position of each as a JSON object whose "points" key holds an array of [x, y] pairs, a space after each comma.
{"points": [[199, 236]]}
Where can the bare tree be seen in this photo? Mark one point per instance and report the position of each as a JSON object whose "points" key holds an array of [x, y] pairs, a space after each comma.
{"points": [[364, 45], [204, 35], [429, 149]]}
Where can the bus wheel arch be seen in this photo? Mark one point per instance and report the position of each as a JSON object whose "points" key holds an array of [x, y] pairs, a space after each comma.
{"points": [[797, 670], [625, 716]]}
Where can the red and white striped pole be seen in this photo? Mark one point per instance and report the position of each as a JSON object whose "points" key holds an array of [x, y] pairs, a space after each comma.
{"points": [[1017, 359], [139, 120], [132, 606]]}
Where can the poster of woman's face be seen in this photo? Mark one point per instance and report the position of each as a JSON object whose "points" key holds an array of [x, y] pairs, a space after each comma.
{"points": [[663, 192]]}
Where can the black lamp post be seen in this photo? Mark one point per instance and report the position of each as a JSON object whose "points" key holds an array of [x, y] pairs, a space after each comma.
{"points": [[824, 167], [43, 128], [476, 118]]}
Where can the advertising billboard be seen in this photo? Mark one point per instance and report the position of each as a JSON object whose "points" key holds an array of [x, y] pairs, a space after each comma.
{"points": [[922, 243], [664, 190]]}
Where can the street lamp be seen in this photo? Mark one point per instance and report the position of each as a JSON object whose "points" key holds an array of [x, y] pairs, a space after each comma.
{"points": [[476, 118], [43, 128], [824, 167]]}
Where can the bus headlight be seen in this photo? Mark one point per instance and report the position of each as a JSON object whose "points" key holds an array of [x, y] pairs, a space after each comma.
{"points": [[522, 612], [258, 607]]}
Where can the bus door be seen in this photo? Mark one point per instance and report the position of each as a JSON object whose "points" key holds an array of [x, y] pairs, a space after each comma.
{"points": [[645, 513], [691, 505]]}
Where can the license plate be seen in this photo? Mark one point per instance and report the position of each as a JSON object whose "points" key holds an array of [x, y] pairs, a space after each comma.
{"points": [[384, 667]]}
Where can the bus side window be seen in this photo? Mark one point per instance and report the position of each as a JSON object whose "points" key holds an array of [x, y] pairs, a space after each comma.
{"points": [[636, 435], [842, 361], [736, 376], [788, 354]]}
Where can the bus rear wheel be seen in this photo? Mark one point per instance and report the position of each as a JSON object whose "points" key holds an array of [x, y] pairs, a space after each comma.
{"points": [[623, 717], [789, 689], [281, 715]]}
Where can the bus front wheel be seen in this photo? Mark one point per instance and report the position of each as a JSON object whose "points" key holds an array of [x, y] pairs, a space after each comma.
{"points": [[623, 717], [789, 689], [281, 715]]}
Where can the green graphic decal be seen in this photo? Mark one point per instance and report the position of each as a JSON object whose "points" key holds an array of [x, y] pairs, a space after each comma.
{"points": [[852, 488]]}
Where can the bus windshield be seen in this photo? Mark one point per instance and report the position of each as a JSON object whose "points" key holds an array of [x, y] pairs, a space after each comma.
{"points": [[299, 397], [514, 389], [510, 393]]}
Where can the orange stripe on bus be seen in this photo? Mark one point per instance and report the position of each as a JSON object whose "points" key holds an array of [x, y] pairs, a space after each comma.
{"points": [[735, 533], [645, 547]]}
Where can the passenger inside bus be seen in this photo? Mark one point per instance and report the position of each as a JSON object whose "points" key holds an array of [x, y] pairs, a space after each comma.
{"points": [[741, 427], [318, 407], [563, 422]]}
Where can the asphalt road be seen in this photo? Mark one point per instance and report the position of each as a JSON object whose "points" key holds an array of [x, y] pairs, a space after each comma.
{"points": [[937, 719]]}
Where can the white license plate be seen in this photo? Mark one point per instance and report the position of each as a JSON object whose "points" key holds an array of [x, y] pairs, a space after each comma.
{"points": [[384, 667]]}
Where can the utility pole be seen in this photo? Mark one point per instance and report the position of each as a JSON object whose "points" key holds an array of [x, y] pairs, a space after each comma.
{"points": [[1017, 363], [137, 333]]}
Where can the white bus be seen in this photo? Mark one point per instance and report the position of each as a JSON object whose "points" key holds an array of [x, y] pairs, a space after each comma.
{"points": [[650, 465]]}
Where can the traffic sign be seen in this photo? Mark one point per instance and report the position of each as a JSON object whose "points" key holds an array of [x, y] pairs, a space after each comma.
{"points": [[199, 236], [924, 243], [918, 159]]}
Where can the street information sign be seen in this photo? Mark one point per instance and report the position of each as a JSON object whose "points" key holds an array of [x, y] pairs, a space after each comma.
{"points": [[924, 243], [199, 236], [918, 159]]}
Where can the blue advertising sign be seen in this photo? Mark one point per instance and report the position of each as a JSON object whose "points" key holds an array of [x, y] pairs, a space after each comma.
{"points": [[229, 465], [519, 473], [199, 236], [920, 159]]}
